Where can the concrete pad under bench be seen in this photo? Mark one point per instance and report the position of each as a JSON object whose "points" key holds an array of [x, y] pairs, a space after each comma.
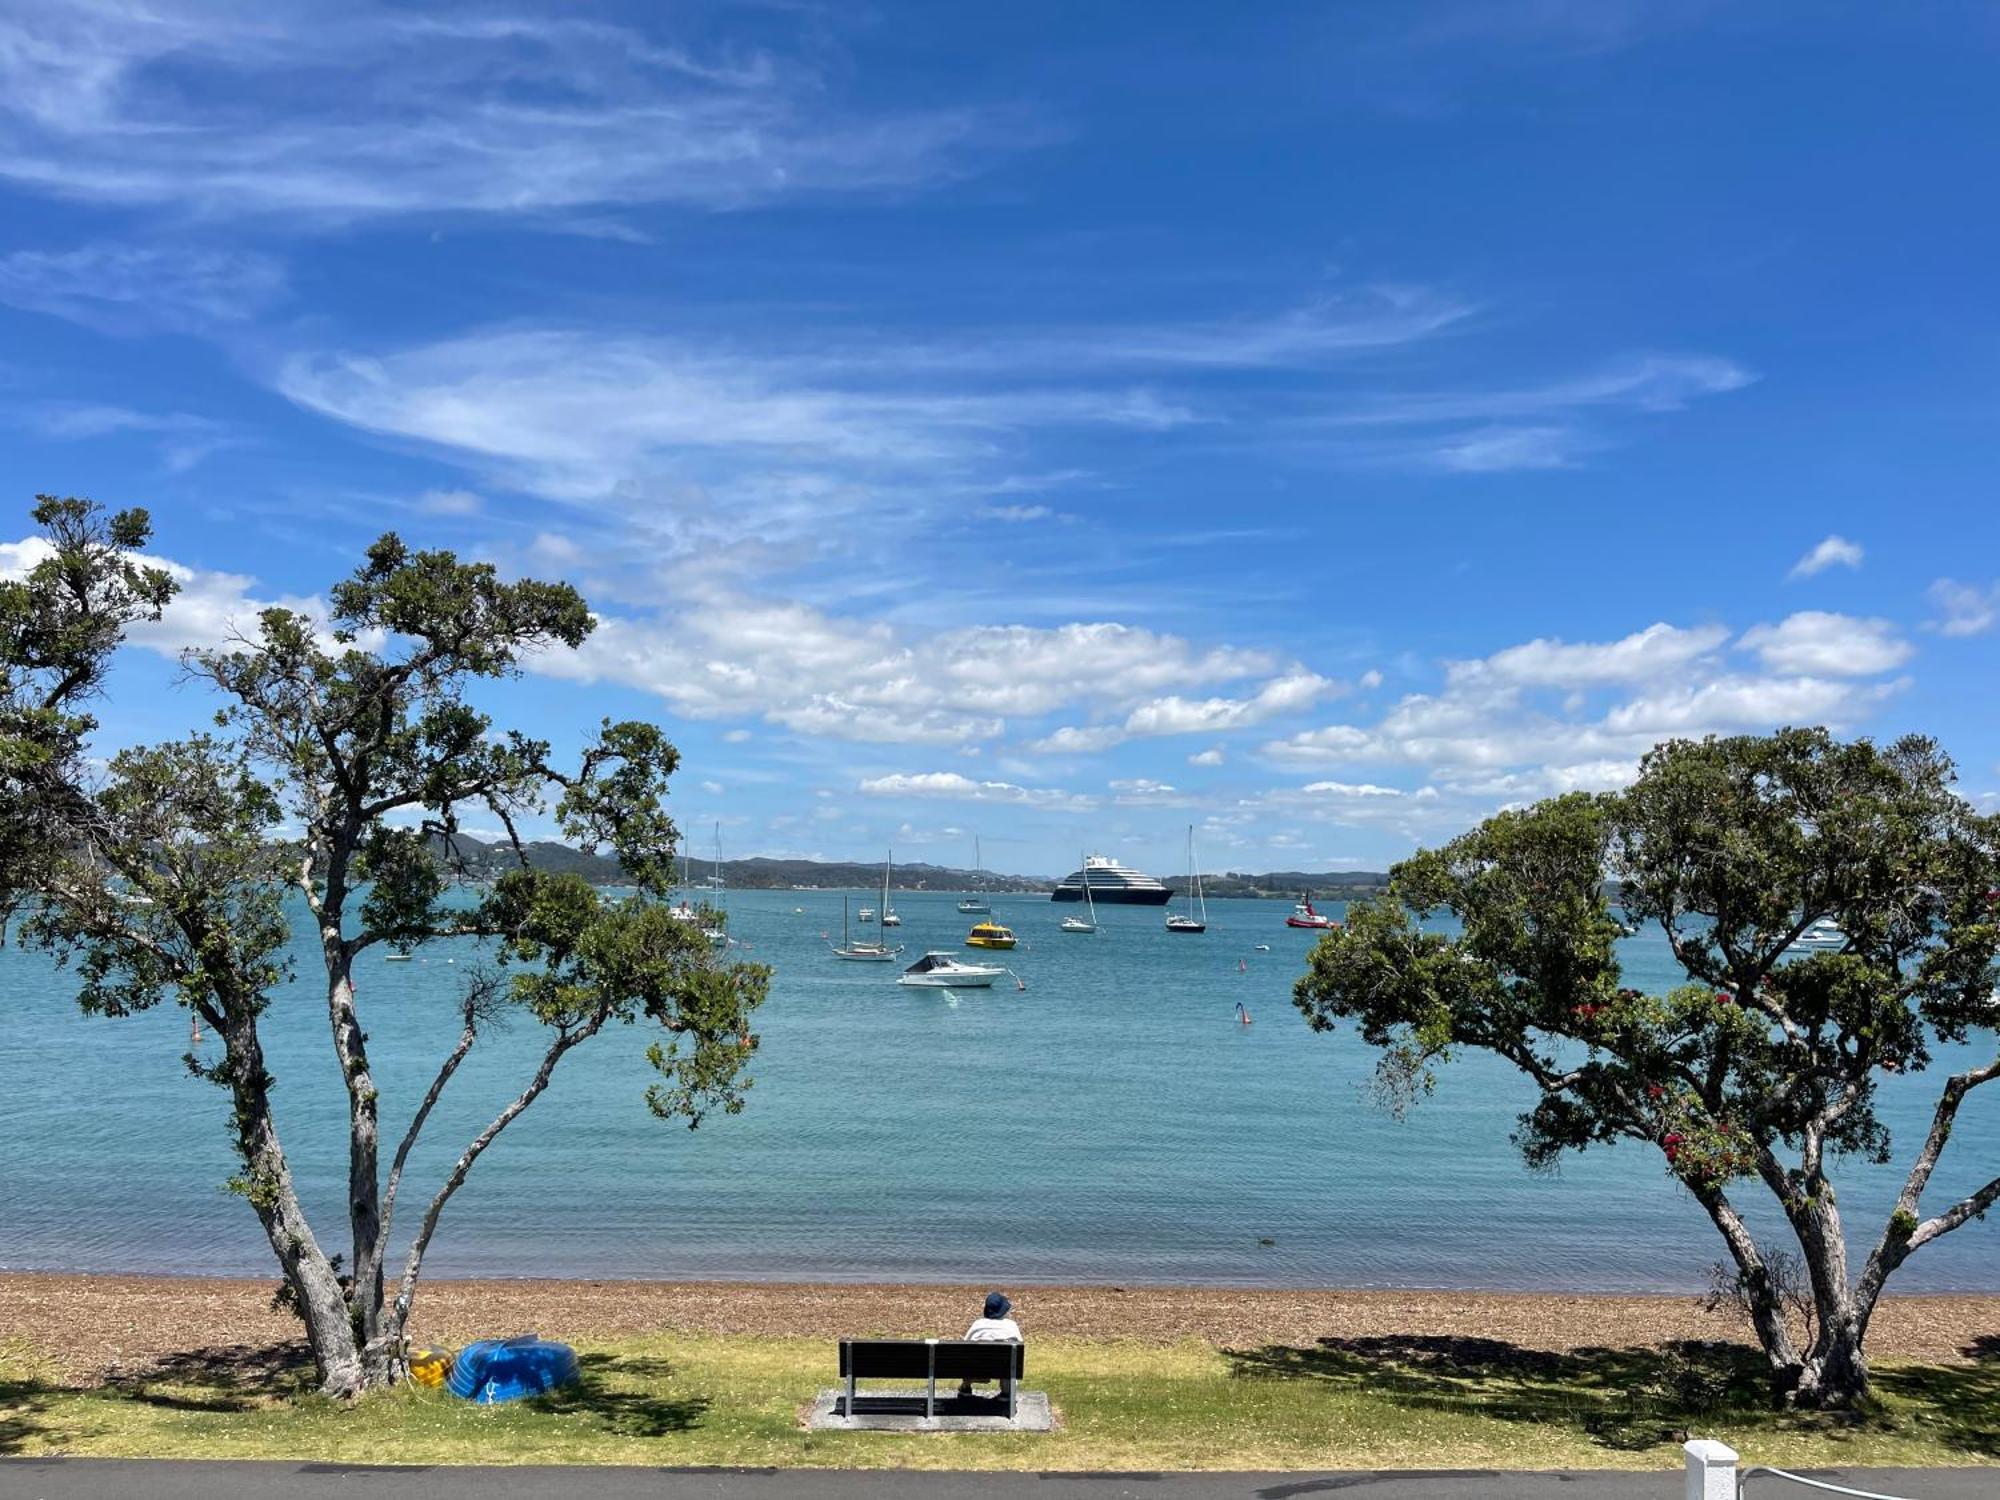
{"points": [[896, 1411]]}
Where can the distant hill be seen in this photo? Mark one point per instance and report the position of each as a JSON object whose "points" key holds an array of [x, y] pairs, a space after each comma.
{"points": [[485, 860], [1289, 885]]}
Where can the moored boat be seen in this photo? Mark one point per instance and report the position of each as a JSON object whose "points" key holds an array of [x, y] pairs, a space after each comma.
{"points": [[1189, 921], [990, 935], [1303, 915], [946, 971]]}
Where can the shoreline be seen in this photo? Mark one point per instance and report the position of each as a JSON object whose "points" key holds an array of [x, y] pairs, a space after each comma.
{"points": [[98, 1327]]}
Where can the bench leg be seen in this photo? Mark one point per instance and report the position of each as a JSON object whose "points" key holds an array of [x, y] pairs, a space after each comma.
{"points": [[850, 1395], [1010, 1398], [930, 1387]]}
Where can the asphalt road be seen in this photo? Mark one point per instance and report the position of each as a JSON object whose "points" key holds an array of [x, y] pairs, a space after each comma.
{"points": [[140, 1479]]}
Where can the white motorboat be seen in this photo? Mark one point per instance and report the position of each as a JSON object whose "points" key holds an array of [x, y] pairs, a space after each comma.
{"points": [[1188, 921], [866, 914], [947, 971], [1824, 933]]}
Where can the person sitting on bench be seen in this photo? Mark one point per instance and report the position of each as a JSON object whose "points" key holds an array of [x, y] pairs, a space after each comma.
{"points": [[992, 1326]]}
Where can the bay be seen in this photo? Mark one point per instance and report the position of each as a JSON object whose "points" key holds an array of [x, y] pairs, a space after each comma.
{"points": [[1110, 1122]]}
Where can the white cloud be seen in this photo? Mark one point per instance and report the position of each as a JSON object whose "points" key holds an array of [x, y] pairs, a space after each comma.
{"points": [[183, 440], [1649, 383], [577, 417], [951, 786], [368, 110], [212, 609], [1817, 643], [1212, 756], [1965, 608], [737, 737], [1174, 714], [1370, 680], [1639, 657], [728, 654], [1016, 514], [1834, 552], [450, 503], [133, 288]]}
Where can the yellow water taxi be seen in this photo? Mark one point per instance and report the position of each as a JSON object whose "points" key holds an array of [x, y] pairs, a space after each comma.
{"points": [[989, 935]]}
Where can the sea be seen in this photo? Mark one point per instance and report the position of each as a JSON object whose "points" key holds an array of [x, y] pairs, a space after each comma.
{"points": [[1101, 1115]]}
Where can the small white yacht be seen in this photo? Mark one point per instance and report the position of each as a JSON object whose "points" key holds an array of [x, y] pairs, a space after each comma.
{"points": [[1824, 933], [947, 971]]}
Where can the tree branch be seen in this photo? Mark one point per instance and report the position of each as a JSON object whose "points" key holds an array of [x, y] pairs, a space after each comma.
{"points": [[413, 1266]]}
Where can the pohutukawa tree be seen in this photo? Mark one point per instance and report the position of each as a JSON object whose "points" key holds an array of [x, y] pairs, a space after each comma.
{"points": [[344, 754], [1764, 1069]]}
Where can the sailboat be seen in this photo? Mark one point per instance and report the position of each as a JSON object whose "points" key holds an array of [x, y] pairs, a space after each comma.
{"points": [[975, 903], [865, 950], [718, 930], [1187, 921], [889, 917], [1083, 924]]}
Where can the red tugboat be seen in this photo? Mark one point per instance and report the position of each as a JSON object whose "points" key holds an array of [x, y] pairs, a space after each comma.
{"points": [[1303, 915]]}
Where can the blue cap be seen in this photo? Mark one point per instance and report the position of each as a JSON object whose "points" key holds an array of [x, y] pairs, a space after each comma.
{"points": [[997, 1305]]}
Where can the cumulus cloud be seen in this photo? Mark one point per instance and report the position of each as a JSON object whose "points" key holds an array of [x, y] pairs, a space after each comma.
{"points": [[1212, 756], [1176, 714], [1834, 552], [1531, 719], [1816, 642], [1639, 657], [730, 654], [212, 609]]}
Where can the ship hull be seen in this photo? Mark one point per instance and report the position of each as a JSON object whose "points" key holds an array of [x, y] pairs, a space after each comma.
{"points": [[1114, 895]]}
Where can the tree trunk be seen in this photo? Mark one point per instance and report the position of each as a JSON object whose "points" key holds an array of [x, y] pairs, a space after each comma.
{"points": [[364, 1201], [1835, 1377], [268, 1185]]}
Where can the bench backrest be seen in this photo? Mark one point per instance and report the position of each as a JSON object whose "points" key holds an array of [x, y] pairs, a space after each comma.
{"points": [[911, 1359]]}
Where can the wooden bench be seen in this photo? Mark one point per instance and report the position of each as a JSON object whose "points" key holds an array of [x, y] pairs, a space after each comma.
{"points": [[932, 1360]]}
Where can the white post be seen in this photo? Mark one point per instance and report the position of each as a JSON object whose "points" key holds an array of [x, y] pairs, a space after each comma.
{"points": [[1711, 1470]]}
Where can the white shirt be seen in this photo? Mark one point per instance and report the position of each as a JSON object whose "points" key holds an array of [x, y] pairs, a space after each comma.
{"points": [[994, 1331]]}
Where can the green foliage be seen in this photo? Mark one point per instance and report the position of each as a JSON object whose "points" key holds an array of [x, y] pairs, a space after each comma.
{"points": [[1770, 1060], [59, 625], [356, 735], [1735, 847]]}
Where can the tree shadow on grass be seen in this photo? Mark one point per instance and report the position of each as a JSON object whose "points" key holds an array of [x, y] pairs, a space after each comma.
{"points": [[220, 1378], [605, 1395], [22, 1404], [1966, 1398], [1628, 1399]]}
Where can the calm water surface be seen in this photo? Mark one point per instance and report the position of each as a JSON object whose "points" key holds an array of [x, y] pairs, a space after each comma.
{"points": [[1112, 1122]]}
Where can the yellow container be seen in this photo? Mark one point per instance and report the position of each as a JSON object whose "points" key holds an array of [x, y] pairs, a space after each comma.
{"points": [[430, 1366]]}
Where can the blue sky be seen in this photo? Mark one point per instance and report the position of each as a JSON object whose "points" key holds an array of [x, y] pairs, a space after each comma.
{"points": [[1321, 424]]}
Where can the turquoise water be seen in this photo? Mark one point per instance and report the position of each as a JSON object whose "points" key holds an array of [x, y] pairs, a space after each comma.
{"points": [[1111, 1122]]}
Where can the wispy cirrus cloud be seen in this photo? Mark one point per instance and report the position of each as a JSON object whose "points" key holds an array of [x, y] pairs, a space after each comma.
{"points": [[1536, 426], [182, 439], [119, 288], [950, 786], [1964, 608], [232, 109]]}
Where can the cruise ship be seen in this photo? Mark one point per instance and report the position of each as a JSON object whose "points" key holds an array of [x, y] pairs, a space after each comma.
{"points": [[1111, 884]]}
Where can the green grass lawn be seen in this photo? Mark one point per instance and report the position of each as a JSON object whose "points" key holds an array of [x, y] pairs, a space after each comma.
{"points": [[1345, 1404]]}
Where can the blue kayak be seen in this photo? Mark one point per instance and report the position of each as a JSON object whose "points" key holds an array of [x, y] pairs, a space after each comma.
{"points": [[508, 1369]]}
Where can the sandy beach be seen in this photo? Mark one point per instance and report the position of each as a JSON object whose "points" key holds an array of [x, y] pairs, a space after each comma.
{"points": [[100, 1326]]}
